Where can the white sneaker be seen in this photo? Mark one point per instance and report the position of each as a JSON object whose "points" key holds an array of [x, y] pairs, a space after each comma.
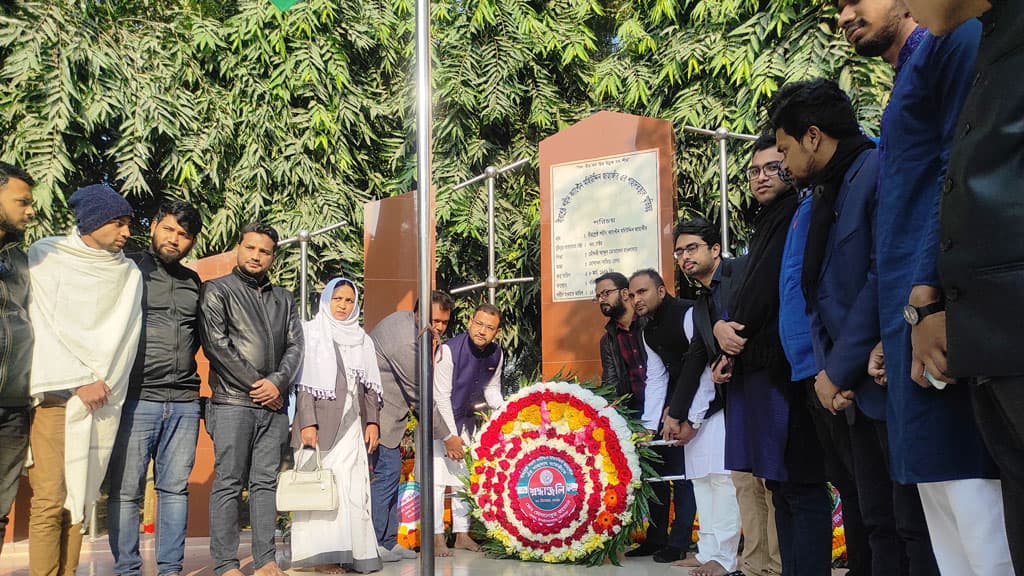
{"points": [[387, 555], [404, 552]]}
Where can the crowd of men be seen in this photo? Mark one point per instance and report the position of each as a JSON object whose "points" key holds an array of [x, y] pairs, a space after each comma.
{"points": [[866, 337]]}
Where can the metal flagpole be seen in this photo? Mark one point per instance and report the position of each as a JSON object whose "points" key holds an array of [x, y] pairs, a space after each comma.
{"points": [[424, 440], [722, 135]]}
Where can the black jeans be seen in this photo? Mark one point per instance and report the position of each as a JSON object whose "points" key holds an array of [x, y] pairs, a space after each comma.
{"points": [[247, 451], [803, 520], [14, 423], [679, 491], [835, 434], [999, 411], [892, 512]]}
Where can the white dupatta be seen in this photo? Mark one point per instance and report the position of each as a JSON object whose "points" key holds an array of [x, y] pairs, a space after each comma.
{"points": [[87, 316]]}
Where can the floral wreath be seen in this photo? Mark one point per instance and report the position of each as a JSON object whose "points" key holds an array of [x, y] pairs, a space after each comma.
{"points": [[554, 476]]}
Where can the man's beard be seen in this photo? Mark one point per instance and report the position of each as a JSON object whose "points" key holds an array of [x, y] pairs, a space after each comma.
{"points": [[7, 227], [615, 311], [875, 46]]}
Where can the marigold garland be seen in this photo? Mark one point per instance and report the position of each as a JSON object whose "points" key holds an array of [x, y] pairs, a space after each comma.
{"points": [[554, 476]]}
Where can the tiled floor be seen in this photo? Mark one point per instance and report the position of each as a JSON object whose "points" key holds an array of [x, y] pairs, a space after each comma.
{"points": [[96, 561]]}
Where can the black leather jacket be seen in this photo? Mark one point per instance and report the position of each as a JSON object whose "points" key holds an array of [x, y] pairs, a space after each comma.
{"points": [[613, 367], [15, 330], [250, 330], [165, 367]]}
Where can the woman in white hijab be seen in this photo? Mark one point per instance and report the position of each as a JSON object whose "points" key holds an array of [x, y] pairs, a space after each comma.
{"points": [[338, 396]]}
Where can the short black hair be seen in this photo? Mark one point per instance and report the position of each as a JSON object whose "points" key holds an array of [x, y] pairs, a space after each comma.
{"points": [[8, 171], [821, 102], [186, 215], [765, 141], [618, 279], [258, 228], [650, 273], [488, 308], [442, 299], [702, 227]]}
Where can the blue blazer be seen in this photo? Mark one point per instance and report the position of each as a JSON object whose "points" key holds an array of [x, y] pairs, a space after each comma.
{"points": [[844, 319]]}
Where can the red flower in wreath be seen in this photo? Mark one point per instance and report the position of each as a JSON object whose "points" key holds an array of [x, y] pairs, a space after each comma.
{"points": [[611, 498]]}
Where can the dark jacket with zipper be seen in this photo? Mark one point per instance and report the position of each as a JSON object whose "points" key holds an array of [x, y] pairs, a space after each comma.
{"points": [[165, 366], [250, 331], [613, 367], [16, 337]]}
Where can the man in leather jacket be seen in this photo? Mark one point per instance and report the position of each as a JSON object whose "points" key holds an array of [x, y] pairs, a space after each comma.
{"points": [[252, 335], [15, 333], [160, 418]]}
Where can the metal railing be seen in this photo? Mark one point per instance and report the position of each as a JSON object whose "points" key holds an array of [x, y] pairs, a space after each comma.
{"points": [[722, 136]]}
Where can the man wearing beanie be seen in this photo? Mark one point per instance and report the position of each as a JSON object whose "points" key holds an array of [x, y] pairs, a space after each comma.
{"points": [[87, 318]]}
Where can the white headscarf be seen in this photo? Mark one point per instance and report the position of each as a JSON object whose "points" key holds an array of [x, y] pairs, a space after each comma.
{"points": [[323, 334]]}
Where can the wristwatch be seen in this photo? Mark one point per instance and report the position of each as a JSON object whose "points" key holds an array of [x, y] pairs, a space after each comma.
{"points": [[694, 425], [914, 314]]}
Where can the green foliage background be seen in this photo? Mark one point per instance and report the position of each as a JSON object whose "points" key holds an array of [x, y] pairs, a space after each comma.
{"points": [[298, 118]]}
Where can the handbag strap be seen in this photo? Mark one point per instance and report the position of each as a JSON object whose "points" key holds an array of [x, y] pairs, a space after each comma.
{"points": [[319, 462]]}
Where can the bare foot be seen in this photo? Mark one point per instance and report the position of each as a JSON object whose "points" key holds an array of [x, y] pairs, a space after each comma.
{"points": [[233, 572], [688, 562], [464, 542], [710, 568], [269, 569], [441, 549]]}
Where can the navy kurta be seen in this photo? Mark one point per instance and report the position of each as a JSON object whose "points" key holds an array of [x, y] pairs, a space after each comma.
{"points": [[932, 435]]}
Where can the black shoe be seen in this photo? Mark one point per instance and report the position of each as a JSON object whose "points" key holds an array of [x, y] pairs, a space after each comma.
{"points": [[644, 549], [668, 554]]}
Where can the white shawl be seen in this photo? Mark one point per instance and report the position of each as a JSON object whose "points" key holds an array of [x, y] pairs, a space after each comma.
{"points": [[87, 316], [322, 335]]}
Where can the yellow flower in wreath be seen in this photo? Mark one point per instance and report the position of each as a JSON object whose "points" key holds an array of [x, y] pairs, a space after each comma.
{"points": [[530, 414]]}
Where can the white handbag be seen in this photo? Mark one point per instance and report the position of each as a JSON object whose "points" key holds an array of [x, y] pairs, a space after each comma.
{"points": [[307, 490]]}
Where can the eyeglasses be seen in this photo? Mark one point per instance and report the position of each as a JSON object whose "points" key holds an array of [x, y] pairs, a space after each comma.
{"points": [[769, 169], [603, 294], [689, 250]]}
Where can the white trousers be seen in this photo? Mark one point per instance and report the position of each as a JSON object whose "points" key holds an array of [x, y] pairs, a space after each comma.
{"points": [[965, 523], [448, 472], [460, 511], [719, 512]]}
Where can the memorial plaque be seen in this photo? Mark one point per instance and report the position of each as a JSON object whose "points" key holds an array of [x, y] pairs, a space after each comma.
{"points": [[605, 218], [607, 204]]}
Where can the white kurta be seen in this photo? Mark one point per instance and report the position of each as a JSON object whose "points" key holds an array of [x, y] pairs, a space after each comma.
{"points": [[705, 453]]}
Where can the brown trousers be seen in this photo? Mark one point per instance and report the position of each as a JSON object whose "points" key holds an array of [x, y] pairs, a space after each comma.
{"points": [[761, 555], [54, 542]]}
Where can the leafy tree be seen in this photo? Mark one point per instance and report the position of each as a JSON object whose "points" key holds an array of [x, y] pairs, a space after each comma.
{"points": [[298, 118]]}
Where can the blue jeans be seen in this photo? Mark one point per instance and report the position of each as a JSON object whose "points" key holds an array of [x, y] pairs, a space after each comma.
{"points": [[247, 445], [165, 432], [387, 470]]}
